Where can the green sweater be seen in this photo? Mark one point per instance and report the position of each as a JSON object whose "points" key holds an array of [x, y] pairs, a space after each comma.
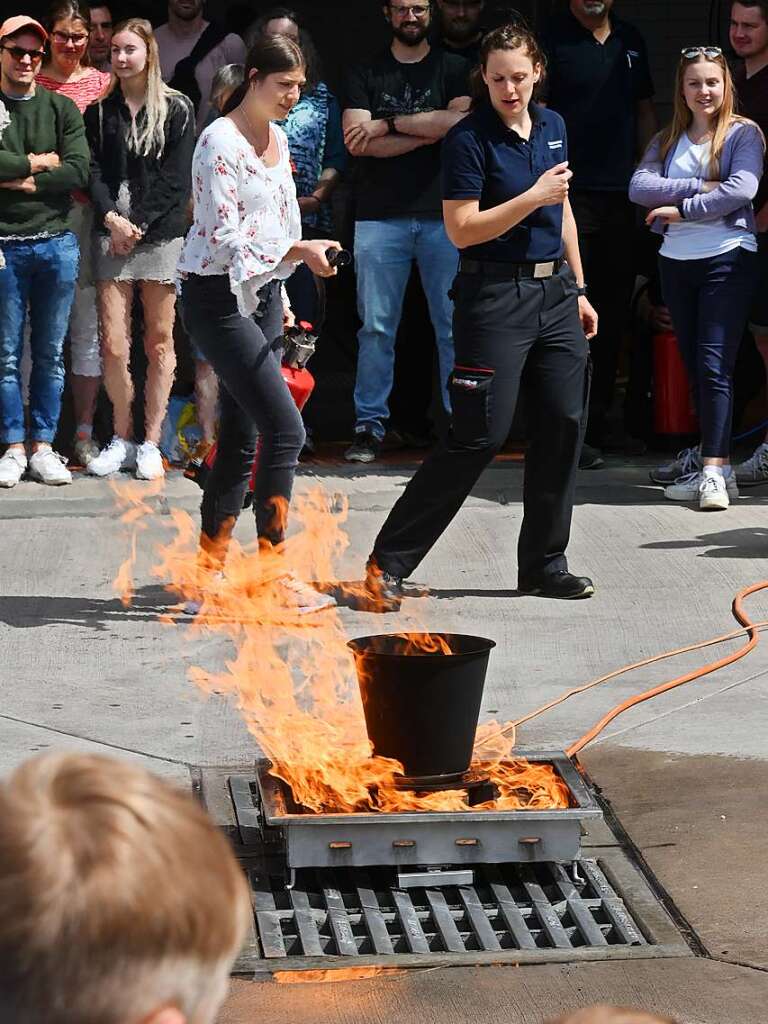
{"points": [[46, 123]]}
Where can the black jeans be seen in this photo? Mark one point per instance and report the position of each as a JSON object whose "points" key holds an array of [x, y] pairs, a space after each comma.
{"points": [[709, 301], [505, 331], [254, 403], [606, 223]]}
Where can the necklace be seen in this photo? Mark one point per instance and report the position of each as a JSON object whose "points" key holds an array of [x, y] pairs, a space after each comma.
{"points": [[260, 150]]}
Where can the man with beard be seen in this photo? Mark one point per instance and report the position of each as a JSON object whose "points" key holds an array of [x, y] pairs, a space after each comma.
{"points": [[460, 24], [599, 80], [191, 52], [398, 108]]}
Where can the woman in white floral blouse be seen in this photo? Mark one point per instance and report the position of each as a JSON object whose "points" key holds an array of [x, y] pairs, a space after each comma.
{"points": [[245, 240]]}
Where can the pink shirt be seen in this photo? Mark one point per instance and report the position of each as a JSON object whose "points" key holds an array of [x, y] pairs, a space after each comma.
{"points": [[83, 91]]}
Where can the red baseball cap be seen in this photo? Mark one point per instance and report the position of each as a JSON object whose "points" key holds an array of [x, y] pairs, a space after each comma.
{"points": [[12, 26]]}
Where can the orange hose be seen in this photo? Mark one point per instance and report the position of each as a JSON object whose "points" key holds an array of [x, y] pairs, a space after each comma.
{"points": [[740, 615]]}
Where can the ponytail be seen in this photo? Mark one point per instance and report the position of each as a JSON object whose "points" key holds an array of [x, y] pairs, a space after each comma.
{"points": [[269, 55]]}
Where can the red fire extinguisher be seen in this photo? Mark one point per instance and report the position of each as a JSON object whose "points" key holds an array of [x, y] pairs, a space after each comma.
{"points": [[298, 348], [673, 409]]}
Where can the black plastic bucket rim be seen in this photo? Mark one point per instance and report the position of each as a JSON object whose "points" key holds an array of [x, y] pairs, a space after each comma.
{"points": [[376, 645]]}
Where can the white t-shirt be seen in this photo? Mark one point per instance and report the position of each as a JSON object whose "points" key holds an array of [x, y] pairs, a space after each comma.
{"points": [[698, 240], [173, 48], [246, 214]]}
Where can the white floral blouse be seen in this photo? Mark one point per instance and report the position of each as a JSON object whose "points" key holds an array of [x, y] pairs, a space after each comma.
{"points": [[246, 214]]}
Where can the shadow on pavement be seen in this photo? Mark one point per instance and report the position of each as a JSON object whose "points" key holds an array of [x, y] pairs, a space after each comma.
{"points": [[25, 612], [742, 543]]}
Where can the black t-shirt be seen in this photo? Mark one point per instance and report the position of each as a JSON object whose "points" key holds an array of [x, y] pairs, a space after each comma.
{"points": [[408, 185], [470, 53], [485, 160], [753, 103], [596, 87]]}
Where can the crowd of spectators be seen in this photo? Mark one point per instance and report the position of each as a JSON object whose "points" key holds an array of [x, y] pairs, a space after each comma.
{"points": [[110, 179]]}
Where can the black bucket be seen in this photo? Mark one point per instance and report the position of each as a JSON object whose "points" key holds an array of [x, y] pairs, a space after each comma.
{"points": [[422, 708]]}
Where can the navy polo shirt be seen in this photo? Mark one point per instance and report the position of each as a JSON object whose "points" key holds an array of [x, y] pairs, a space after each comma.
{"points": [[485, 160], [596, 87]]}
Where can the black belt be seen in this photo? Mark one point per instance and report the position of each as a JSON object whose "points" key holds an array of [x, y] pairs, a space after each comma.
{"points": [[494, 268]]}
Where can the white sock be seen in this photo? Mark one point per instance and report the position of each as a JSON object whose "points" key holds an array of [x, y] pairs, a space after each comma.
{"points": [[717, 470]]}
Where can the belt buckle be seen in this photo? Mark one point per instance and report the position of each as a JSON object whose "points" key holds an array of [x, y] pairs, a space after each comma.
{"points": [[544, 269]]}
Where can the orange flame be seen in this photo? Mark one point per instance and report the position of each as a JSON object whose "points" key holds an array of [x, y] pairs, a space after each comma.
{"points": [[293, 677], [322, 977], [132, 496]]}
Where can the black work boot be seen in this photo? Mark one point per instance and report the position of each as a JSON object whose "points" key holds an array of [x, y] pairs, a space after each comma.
{"points": [[561, 584]]}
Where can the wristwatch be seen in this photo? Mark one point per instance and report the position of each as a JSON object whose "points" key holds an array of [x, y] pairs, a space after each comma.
{"points": [[582, 290], [391, 125]]}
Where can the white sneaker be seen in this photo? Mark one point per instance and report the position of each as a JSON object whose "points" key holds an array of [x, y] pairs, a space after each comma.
{"points": [[690, 488], [193, 605], [301, 598], [86, 450], [119, 454], [49, 467], [149, 462], [755, 470], [713, 493], [684, 463], [13, 466]]}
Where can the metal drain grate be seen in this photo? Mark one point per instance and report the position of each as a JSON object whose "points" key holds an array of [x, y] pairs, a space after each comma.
{"points": [[352, 913], [528, 913]]}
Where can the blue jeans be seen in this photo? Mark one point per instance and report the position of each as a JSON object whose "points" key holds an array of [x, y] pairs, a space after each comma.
{"points": [[40, 274], [384, 252], [708, 300]]}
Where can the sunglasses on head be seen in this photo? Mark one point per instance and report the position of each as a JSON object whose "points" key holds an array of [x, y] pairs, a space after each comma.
{"points": [[710, 52], [20, 52]]}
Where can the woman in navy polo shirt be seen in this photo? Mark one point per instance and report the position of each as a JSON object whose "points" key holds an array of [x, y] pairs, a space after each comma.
{"points": [[520, 308]]}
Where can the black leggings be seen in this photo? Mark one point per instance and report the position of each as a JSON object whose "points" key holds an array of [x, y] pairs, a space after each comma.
{"points": [[254, 403]]}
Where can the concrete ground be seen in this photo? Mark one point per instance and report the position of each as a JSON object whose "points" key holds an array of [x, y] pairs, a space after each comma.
{"points": [[685, 773]]}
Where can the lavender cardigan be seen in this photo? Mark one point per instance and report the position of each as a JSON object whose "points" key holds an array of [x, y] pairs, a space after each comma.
{"points": [[741, 168]]}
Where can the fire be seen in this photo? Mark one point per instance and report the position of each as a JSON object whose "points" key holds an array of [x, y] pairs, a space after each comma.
{"points": [[133, 497], [321, 977], [293, 678]]}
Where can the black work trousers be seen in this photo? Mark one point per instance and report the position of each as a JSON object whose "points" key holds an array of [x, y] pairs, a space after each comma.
{"points": [[505, 331], [606, 223], [254, 402]]}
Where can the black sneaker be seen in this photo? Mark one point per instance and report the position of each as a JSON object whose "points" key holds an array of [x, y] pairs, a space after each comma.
{"points": [[591, 458], [365, 448], [562, 584], [384, 590]]}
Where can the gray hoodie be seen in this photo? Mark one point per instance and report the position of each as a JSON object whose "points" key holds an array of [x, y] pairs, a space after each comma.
{"points": [[741, 168]]}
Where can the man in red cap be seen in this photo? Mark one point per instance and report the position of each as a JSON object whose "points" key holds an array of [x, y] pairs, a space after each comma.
{"points": [[43, 157]]}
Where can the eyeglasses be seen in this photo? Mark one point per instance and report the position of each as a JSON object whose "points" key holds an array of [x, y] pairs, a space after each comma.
{"points": [[20, 52], [76, 38], [710, 52], [417, 10]]}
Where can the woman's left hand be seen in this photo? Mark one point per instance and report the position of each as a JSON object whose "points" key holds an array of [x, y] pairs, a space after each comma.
{"points": [[588, 317], [666, 214]]}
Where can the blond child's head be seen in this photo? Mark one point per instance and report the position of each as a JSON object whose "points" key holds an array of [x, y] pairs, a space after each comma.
{"points": [[121, 901], [611, 1015]]}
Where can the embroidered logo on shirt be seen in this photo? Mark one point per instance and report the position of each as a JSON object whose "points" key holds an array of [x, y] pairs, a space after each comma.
{"points": [[555, 144]]}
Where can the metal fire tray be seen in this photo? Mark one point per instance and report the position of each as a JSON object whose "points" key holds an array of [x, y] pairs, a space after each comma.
{"points": [[266, 813]]}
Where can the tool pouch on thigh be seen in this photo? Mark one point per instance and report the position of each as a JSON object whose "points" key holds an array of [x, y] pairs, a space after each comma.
{"points": [[470, 390]]}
